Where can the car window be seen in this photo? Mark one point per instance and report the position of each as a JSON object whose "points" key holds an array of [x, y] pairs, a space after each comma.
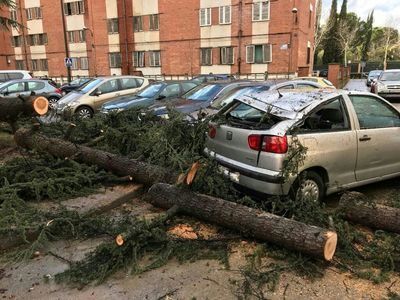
{"points": [[186, 86], [139, 82], [327, 82], [87, 87], [372, 112], [16, 87], [171, 90], [109, 86], [128, 83], [287, 87], [14, 76], [390, 76], [329, 117], [35, 86], [3, 77], [203, 92], [305, 86]]}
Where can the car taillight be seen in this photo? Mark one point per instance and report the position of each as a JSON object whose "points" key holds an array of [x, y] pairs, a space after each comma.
{"points": [[212, 131], [268, 143], [58, 91]]}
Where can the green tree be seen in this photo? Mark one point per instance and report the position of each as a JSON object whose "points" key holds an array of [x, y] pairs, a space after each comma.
{"points": [[5, 22], [343, 11], [366, 31], [331, 47]]}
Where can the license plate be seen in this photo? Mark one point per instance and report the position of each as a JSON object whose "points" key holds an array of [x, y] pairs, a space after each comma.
{"points": [[234, 176]]}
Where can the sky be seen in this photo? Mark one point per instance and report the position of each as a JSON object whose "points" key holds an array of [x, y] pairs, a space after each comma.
{"points": [[385, 10]]}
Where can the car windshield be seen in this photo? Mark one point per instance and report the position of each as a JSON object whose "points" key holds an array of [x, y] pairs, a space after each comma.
{"points": [[390, 76], [374, 73], [89, 86], [76, 81], [151, 90], [204, 93], [229, 97]]}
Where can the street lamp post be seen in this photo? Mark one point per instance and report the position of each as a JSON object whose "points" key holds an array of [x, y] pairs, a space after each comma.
{"points": [[65, 40], [294, 12]]}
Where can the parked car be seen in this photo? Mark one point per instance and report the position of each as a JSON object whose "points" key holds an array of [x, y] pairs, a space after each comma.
{"points": [[88, 99], [252, 137], [322, 81], [74, 85], [7, 75], [26, 87], [197, 99], [212, 77], [323, 73], [164, 90], [388, 84], [49, 80], [373, 75]]}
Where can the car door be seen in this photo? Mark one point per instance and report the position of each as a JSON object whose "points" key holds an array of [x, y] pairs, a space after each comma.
{"points": [[170, 91], [378, 137], [108, 90], [37, 87], [14, 90], [331, 142]]}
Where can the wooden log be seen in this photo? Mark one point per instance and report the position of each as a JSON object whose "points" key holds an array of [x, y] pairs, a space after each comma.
{"points": [[141, 172], [251, 222], [12, 108], [355, 209]]}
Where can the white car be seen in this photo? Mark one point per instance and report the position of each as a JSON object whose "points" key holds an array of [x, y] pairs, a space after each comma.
{"points": [[7, 75]]}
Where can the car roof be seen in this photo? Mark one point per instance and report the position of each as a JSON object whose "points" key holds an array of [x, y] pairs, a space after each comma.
{"points": [[392, 70], [287, 103], [118, 77], [26, 80]]}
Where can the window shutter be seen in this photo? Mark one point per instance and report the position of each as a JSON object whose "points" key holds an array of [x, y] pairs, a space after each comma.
{"points": [[227, 14], [231, 56], [202, 17], [221, 15], [256, 11], [45, 41], [264, 10], [135, 59], [267, 50], [250, 54]]}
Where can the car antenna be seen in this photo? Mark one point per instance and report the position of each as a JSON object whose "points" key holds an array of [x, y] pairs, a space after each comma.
{"points": [[280, 95]]}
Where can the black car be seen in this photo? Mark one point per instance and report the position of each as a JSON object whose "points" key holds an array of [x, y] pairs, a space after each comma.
{"points": [[163, 90], [75, 84], [212, 77]]}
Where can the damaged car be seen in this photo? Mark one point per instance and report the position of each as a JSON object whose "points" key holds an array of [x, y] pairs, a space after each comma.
{"points": [[306, 144]]}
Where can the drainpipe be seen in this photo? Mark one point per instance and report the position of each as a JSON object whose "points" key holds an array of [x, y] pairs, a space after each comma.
{"points": [[23, 35], [240, 35], [126, 36]]}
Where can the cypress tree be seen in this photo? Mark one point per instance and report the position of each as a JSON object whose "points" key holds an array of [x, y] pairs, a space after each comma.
{"points": [[343, 11], [366, 45], [331, 48]]}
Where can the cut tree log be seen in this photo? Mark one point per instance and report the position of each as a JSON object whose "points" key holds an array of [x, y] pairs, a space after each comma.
{"points": [[13, 108], [355, 209], [141, 172], [251, 222]]}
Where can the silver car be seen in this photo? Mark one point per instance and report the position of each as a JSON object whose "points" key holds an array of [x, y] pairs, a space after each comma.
{"points": [[349, 139], [388, 84]]}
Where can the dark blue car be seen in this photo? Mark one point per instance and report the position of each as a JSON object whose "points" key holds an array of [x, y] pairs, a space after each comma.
{"points": [[158, 91]]}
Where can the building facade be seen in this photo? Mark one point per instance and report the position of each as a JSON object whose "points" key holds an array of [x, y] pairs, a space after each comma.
{"points": [[172, 37]]}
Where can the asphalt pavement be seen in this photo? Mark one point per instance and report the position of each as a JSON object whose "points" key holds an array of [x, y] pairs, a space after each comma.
{"points": [[360, 85]]}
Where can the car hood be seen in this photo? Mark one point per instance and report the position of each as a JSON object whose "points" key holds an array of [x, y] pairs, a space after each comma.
{"points": [[397, 82], [125, 103], [73, 96]]}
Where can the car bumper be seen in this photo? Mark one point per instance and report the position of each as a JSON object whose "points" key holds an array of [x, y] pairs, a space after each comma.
{"points": [[258, 179], [64, 112]]}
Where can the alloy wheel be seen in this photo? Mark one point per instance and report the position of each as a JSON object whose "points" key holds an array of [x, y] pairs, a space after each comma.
{"points": [[308, 190]]}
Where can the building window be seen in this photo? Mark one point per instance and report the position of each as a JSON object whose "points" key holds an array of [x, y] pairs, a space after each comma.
{"points": [[154, 23], [44, 66], [224, 15], [16, 41], [226, 55], [261, 11], [115, 60], [138, 59], [34, 13], [112, 25], [137, 23], [74, 8], [19, 65], [35, 65], [206, 56], [76, 36], [75, 63], [308, 52], [259, 54], [37, 39], [84, 63], [155, 58], [205, 16], [13, 15]]}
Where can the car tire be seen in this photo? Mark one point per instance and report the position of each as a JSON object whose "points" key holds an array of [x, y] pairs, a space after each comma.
{"points": [[308, 186], [84, 112], [52, 102]]}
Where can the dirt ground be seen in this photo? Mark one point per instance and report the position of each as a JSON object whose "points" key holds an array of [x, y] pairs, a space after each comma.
{"points": [[203, 279]]}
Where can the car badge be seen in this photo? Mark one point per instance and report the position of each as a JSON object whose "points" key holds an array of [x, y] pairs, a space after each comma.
{"points": [[229, 135]]}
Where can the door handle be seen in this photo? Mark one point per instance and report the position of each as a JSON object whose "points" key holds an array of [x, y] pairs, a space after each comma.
{"points": [[365, 138]]}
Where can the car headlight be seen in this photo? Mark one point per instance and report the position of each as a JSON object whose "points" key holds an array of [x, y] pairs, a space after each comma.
{"points": [[164, 116], [72, 104], [380, 86]]}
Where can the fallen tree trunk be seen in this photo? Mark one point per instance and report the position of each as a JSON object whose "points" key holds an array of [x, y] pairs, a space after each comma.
{"points": [[377, 216], [141, 172], [251, 222], [13, 108]]}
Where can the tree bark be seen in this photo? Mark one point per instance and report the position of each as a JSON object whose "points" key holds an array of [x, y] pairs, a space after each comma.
{"points": [[354, 207], [141, 172], [12, 108], [255, 223]]}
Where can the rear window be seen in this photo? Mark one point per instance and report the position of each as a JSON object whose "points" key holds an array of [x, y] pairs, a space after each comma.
{"points": [[13, 76], [245, 116], [35, 86], [129, 83], [3, 77]]}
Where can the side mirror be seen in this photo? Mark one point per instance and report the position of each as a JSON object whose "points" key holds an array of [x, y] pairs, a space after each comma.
{"points": [[33, 93], [161, 97], [6, 93], [96, 93]]}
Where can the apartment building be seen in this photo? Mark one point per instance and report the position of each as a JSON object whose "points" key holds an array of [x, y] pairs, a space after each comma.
{"points": [[172, 37]]}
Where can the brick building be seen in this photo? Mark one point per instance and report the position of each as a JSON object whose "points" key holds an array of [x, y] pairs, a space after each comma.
{"points": [[173, 37]]}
